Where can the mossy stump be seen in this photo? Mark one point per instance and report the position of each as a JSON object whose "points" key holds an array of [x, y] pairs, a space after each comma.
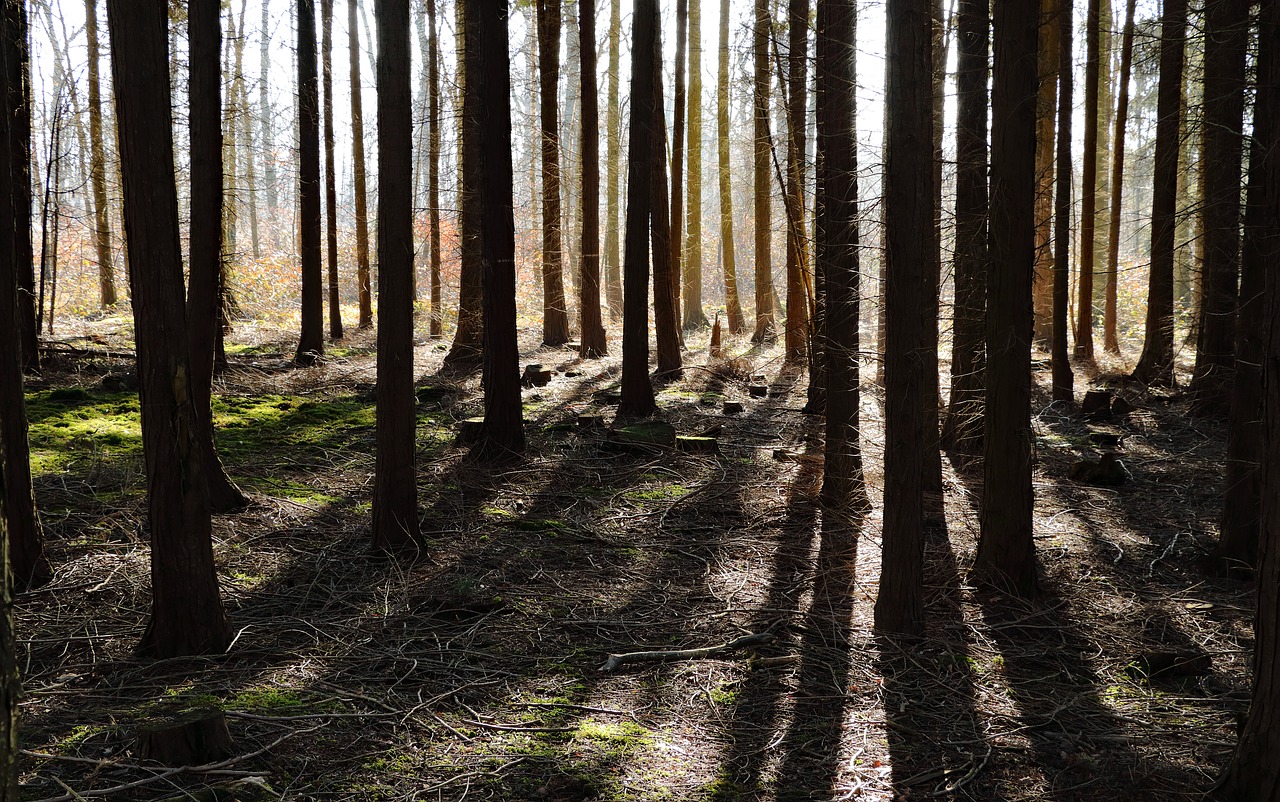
{"points": [[187, 738]]}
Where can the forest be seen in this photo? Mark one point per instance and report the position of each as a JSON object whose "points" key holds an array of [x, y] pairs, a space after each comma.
{"points": [[842, 400]]}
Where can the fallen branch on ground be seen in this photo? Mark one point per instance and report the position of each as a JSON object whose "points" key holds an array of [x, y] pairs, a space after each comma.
{"points": [[663, 656]]}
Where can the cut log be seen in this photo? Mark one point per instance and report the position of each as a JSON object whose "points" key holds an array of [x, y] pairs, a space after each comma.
{"points": [[698, 445], [189, 738]]}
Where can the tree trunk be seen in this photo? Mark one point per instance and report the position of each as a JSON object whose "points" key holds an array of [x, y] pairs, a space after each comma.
{"points": [[1063, 378], [186, 609], [311, 338], [24, 541], [836, 251], [1155, 366], [765, 304], [932, 478], [395, 488], [241, 122], [1006, 551], [98, 163], [357, 147], [637, 389], [1226, 37], [909, 196], [10, 677], [666, 263], [733, 306], [1046, 111], [962, 431], [265, 120], [796, 333], [612, 263], [204, 33], [433, 170], [1111, 341], [1089, 184], [330, 180], [694, 317], [674, 239], [555, 318], [502, 435], [594, 344]]}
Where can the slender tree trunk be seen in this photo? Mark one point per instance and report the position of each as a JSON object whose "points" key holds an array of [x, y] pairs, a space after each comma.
{"points": [[433, 170], [555, 318], [765, 304], [909, 196], [666, 266], [24, 542], [186, 609], [932, 478], [962, 431], [266, 122], [395, 480], [311, 339], [10, 676], [836, 251], [1110, 338], [1063, 378], [694, 317], [594, 344], [241, 122], [1226, 38], [612, 262], [675, 241], [1006, 550], [637, 389], [733, 306], [203, 296], [1155, 366], [1046, 112], [357, 146], [1089, 184], [97, 164], [795, 336], [330, 180], [502, 435]]}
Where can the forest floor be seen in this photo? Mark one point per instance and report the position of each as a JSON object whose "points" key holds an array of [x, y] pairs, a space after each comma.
{"points": [[476, 671]]}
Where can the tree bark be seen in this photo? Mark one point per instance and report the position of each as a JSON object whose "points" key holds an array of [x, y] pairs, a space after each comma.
{"points": [[962, 430], [186, 610], [909, 196], [97, 164], [330, 180], [265, 121], [1063, 378], [1006, 551], [612, 262], [1089, 185], [666, 263], [796, 334], [694, 317], [1111, 341], [1155, 366], [594, 344], [10, 676], [433, 170], [361, 182], [765, 303], [555, 317], [1046, 114], [733, 305], [674, 240], [311, 337]]}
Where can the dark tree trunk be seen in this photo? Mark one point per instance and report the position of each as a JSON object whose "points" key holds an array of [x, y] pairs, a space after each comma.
{"points": [[555, 317], [203, 294], [666, 249], [1110, 339], [502, 435], [1089, 182], [433, 170], [765, 304], [1226, 37], [733, 305], [909, 195], [1155, 366], [593, 338], [836, 251], [18, 106], [395, 489], [10, 677], [1050, 57], [25, 547], [1063, 378], [674, 240], [962, 430], [796, 334], [691, 278], [465, 353], [637, 389], [186, 609], [1006, 551], [330, 180], [311, 337], [357, 153]]}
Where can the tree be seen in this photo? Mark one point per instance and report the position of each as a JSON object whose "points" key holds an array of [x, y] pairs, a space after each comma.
{"points": [[266, 134], [1006, 550], [186, 609], [909, 196], [962, 429], [836, 251], [1046, 115], [330, 180], [311, 337], [1254, 771], [555, 317], [360, 180], [17, 103], [1111, 341], [673, 240], [24, 542], [433, 170], [612, 263], [395, 482], [733, 306], [594, 343], [1089, 183], [97, 163], [1155, 365], [765, 304], [10, 678], [204, 33], [1063, 378], [691, 282], [1226, 38], [797, 100], [502, 435], [637, 389], [666, 249]]}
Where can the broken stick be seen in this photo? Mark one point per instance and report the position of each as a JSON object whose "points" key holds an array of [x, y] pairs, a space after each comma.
{"points": [[754, 639]]}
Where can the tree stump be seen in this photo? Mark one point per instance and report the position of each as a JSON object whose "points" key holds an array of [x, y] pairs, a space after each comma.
{"points": [[591, 422], [648, 436], [714, 349], [758, 391], [188, 738], [468, 431], [698, 445], [732, 407], [535, 376], [1096, 404]]}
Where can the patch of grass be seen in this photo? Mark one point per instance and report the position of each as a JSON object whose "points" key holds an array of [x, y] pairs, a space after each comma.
{"points": [[626, 735], [64, 431]]}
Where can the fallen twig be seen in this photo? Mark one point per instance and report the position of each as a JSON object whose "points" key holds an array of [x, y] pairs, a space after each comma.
{"points": [[663, 656]]}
